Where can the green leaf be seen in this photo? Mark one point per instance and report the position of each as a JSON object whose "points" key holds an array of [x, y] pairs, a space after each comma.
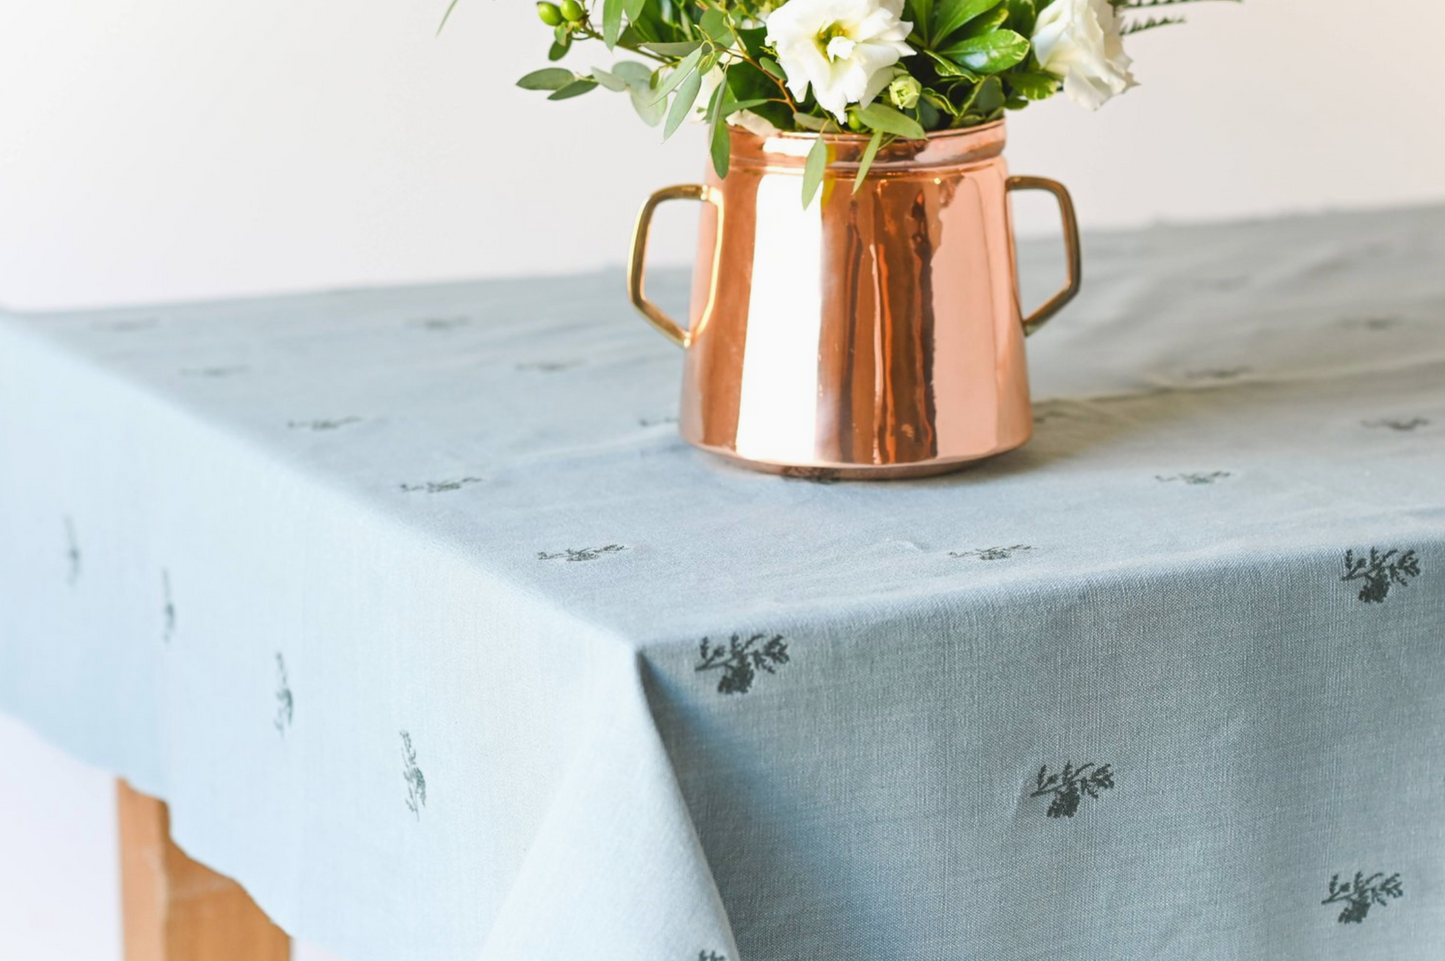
{"points": [[674, 49], [813, 170], [720, 145], [984, 98], [550, 78], [990, 53], [734, 106], [869, 153], [1034, 84], [947, 68], [609, 80], [719, 30], [921, 13], [611, 22], [940, 102], [883, 118], [679, 74], [447, 16], [809, 122], [633, 72], [648, 107], [682, 103], [1022, 16], [952, 14], [987, 23], [559, 50], [770, 65], [575, 89], [634, 8]]}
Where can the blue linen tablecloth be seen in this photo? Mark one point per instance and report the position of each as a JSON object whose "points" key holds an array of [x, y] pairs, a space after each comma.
{"points": [[434, 635]]}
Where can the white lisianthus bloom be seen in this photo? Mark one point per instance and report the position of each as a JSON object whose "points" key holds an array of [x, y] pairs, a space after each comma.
{"points": [[1078, 41], [843, 48]]}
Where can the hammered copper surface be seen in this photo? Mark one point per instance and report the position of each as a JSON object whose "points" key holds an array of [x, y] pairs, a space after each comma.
{"points": [[875, 334]]}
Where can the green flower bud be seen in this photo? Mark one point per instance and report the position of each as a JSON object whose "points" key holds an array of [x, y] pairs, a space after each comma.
{"points": [[854, 124], [572, 11], [550, 13], [903, 92]]}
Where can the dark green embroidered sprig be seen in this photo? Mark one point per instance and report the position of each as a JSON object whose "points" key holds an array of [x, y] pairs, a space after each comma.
{"points": [[741, 660], [711, 956], [991, 553], [1363, 893], [1380, 571], [583, 554], [1197, 478], [1069, 786], [72, 553], [285, 703], [440, 487], [168, 611], [322, 424], [415, 782], [1399, 424]]}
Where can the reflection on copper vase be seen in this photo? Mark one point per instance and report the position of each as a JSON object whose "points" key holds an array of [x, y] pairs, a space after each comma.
{"points": [[875, 334]]}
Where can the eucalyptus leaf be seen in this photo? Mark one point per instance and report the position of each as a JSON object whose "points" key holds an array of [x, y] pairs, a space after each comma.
{"points": [[990, 53], [633, 72], [719, 144], [674, 49], [866, 163], [883, 118], [680, 73], [447, 16], [611, 22], [648, 107], [559, 50], [813, 170], [609, 80], [682, 103], [734, 106], [770, 65], [809, 122], [719, 30], [575, 89], [549, 78], [634, 8], [952, 14]]}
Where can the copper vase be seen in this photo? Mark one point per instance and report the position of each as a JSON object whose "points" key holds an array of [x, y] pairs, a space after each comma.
{"points": [[874, 334]]}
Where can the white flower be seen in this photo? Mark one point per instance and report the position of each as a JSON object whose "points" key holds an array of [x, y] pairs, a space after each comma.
{"points": [[843, 48], [754, 124], [1079, 42]]}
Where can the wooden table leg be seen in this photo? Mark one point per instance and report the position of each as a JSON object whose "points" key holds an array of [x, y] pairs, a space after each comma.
{"points": [[176, 909]]}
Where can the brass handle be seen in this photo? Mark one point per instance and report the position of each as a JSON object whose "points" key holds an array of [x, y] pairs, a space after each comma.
{"points": [[1071, 245], [637, 263]]}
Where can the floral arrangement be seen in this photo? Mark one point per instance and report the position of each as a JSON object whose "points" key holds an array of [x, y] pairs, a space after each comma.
{"points": [[885, 69]]}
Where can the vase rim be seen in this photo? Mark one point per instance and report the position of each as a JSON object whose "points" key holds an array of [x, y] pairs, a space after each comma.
{"points": [[939, 149]]}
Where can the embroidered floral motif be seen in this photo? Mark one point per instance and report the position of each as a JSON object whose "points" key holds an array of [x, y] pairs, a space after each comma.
{"points": [[1220, 373], [1363, 893], [741, 660], [1398, 424], [1196, 478], [443, 323], [818, 475], [439, 487], [168, 612], [991, 553], [336, 424], [1069, 786], [584, 554], [285, 704], [711, 956], [549, 366], [215, 371], [72, 553], [1380, 571], [415, 782]]}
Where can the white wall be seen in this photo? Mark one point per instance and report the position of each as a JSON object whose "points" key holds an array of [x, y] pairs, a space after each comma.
{"points": [[169, 149]]}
